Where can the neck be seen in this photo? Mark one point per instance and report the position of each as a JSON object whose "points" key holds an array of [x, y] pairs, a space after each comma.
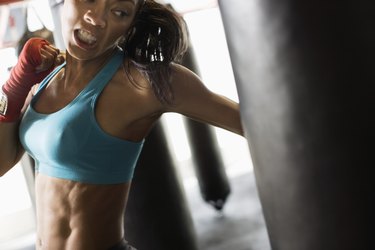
{"points": [[81, 71]]}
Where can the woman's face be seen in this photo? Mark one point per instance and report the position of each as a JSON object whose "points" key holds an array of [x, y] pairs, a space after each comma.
{"points": [[92, 27]]}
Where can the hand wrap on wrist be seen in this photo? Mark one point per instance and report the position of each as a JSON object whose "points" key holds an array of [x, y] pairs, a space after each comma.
{"points": [[23, 76]]}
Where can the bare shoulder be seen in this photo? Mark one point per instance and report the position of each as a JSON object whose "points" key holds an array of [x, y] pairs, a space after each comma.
{"points": [[130, 74], [128, 108], [187, 86]]}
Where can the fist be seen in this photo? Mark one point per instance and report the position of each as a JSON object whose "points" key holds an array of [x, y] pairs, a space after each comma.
{"points": [[39, 55], [50, 58]]}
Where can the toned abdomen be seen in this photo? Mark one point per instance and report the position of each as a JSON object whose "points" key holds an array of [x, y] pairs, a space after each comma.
{"points": [[72, 215]]}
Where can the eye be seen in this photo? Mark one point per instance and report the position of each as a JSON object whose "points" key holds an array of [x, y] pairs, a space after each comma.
{"points": [[120, 13]]}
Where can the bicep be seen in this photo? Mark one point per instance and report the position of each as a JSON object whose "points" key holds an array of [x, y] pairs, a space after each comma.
{"points": [[195, 100]]}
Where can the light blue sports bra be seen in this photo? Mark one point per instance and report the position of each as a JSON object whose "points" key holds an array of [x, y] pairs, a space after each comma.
{"points": [[69, 143]]}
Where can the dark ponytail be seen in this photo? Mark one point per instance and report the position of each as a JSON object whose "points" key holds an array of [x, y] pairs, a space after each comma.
{"points": [[158, 38]]}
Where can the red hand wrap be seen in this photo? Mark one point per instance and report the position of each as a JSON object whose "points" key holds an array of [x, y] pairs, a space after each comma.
{"points": [[23, 76]]}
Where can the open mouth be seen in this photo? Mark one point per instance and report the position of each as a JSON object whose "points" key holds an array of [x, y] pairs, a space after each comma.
{"points": [[84, 38]]}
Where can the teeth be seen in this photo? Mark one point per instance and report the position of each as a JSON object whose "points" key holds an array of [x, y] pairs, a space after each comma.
{"points": [[86, 37]]}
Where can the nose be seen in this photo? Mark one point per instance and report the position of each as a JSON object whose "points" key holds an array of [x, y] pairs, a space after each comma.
{"points": [[95, 17]]}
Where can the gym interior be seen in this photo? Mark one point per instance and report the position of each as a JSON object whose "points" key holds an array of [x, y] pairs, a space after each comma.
{"points": [[300, 179]]}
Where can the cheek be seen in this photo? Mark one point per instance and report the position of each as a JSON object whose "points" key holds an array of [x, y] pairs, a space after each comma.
{"points": [[118, 32]]}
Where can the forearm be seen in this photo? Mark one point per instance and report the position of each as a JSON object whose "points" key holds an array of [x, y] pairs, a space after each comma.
{"points": [[11, 150], [227, 117], [235, 125], [221, 112], [230, 117], [37, 60]]}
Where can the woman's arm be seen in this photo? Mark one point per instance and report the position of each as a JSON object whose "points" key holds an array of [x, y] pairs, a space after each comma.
{"points": [[36, 60], [196, 101], [11, 151]]}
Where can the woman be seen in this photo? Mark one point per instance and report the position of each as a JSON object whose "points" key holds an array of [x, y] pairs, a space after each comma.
{"points": [[101, 102]]}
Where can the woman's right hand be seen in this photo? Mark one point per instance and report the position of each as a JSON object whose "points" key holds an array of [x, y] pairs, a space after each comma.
{"points": [[36, 60], [51, 57]]}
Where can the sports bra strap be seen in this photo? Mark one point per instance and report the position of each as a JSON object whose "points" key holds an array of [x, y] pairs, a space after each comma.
{"points": [[49, 77], [106, 73], [101, 78]]}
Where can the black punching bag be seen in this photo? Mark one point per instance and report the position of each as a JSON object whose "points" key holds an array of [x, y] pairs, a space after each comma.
{"points": [[157, 215], [305, 75], [208, 164]]}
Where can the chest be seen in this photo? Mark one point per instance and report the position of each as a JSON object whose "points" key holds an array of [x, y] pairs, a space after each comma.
{"points": [[70, 144], [120, 107]]}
